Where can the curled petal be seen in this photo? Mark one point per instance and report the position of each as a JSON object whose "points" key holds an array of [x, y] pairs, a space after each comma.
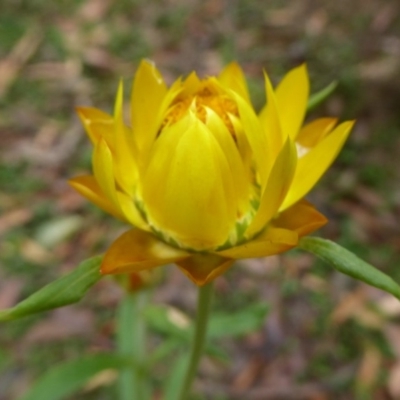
{"points": [[301, 217], [136, 250], [203, 268], [312, 166], [271, 241], [312, 133]]}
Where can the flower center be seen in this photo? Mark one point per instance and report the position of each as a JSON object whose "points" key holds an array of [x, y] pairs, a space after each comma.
{"points": [[221, 104]]}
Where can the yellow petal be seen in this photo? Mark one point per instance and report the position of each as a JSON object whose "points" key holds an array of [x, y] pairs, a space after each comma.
{"points": [[232, 77], [185, 188], [130, 211], [88, 187], [97, 123], [255, 135], [301, 217], [190, 85], [125, 168], [144, 154], [312, 133], [174, 92], [276, 189], [148, 92], [292, 96], [271, 124], [271, 241], [103, 170], [312, 166], [136, 250], [240, 182], [203, 268]]}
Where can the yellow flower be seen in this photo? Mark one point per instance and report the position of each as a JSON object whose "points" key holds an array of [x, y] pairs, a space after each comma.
{"points": [[203, 179]]}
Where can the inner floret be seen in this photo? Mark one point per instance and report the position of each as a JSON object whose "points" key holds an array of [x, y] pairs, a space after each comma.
{"points": [[198, 102]]}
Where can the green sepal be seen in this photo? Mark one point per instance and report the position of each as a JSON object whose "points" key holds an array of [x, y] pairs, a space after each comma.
{"points": [[348, 263], [61, 292], [317, 98]]}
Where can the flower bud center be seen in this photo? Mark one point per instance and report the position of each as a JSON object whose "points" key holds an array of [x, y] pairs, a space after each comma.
{"points": [[221, 104]]}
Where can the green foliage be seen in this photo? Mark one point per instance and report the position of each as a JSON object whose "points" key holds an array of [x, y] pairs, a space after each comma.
{"points": [[249, 319], [317, 98], [349, 264], [173, 383], [177, 330], [65, 379], [61, 292]]}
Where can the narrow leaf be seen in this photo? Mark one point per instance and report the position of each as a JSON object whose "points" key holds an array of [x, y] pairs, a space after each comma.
{"points": [[174, 381], [317, 98], [65, 379], [349, 264], [61, 292]]}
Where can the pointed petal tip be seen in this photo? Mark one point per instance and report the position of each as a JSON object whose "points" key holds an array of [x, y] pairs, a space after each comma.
{"points": [[203, 268], [84, 111], [302, 217]]}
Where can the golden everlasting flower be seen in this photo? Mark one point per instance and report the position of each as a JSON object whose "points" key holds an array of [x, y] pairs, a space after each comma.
{"points": [[203, 179]]}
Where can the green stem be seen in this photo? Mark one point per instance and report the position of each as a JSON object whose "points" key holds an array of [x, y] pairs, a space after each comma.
{"points": [[131, 333], [203, 311]]}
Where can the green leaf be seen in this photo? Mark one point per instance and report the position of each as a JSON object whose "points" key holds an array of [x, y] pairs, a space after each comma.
{"points": [[174, 381], [65, 379], [349, 264], [61, 292], [317, 98], [167, 321], [178, 330], [240, 323]]}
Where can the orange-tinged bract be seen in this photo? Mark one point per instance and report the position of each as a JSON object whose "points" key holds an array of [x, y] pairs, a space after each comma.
{"points": [[202, 178]]}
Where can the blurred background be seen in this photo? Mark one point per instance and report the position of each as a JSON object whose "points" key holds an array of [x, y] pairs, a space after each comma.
{"points": [[326, 336]]}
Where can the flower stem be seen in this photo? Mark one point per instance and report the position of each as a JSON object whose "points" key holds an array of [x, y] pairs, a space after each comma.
{"points": [[131, 333], [203, 311]]}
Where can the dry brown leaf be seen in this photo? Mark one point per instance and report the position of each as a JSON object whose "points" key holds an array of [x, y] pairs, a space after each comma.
{"points": [[370, 367], [394, 381], [103, 378], [349, 306], [94, 10], [392, 333], [18, 57], [389, 305], [14, 218], [247, 376]]}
